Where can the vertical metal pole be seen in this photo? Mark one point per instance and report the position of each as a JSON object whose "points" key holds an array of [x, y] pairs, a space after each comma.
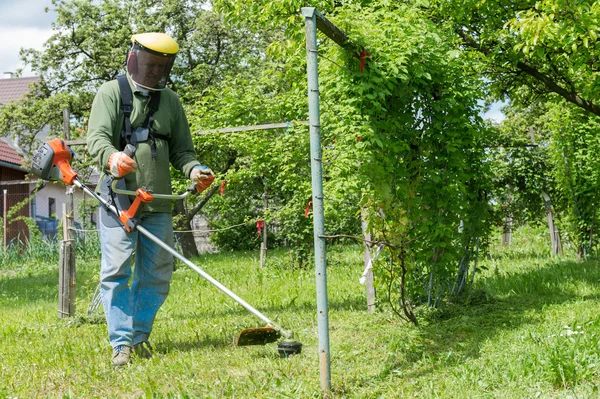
{"points": [[317, 194]]}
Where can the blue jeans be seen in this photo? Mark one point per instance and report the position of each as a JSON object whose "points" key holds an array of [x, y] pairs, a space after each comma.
{"points": [[130, 309]]}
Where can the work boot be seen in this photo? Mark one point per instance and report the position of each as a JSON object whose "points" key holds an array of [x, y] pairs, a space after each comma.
{"points": [[143, 349], [121, 355]]}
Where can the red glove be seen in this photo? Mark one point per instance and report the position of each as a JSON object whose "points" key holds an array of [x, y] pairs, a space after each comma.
{"points": [[120, 164], [202, 177]]}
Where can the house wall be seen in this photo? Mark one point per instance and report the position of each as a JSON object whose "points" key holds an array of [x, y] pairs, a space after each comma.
{"points": [[47, 208]]}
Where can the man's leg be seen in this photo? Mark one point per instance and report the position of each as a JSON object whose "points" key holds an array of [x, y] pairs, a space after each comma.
{"points": [[117, 251], [152, 275]]}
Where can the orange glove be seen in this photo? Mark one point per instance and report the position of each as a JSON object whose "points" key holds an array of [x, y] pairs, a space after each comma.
{"points": [[202, 177], [120, 164]]}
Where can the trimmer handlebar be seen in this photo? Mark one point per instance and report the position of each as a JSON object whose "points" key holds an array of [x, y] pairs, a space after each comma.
{"points": [[188, 191], [127, 217]]}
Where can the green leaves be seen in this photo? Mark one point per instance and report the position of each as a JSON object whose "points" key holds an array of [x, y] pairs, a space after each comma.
{"points": [[532, 47]]}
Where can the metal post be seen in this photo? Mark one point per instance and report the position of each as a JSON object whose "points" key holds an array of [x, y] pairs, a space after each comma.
{"points": [[310, 17]]}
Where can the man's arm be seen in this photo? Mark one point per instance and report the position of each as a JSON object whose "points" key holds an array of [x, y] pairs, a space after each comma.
{"points": [[182, 153], [101, 125]]}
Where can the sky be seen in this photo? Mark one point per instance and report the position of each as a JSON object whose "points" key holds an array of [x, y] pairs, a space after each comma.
{"points": [[23, 23], [494, 112]]}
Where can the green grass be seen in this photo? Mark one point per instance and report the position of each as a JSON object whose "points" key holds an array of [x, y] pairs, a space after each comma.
{"points": [[531, 329]]}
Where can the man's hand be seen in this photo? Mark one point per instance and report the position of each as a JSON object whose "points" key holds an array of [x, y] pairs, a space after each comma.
{"points": [[120, 164], [202, 177]]}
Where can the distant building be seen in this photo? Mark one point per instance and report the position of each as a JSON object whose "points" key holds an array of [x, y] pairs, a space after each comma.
{"points": [[45, 203], [12, 89]]}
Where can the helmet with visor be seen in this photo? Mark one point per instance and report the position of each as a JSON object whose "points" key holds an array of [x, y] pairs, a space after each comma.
{"points": [[150, 59]]}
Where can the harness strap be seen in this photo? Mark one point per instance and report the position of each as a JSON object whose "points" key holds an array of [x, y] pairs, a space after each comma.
{"points": [[154, 103], [127, 108]]}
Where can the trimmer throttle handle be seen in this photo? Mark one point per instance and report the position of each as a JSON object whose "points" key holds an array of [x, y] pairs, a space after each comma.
{"points": [[191, 189]]}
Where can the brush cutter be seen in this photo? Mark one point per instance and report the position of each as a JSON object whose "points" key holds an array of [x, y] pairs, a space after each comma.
{"points": [[52, 162]]}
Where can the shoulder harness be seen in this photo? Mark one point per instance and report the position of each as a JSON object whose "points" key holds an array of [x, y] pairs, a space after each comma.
{"points": [[144, 132]]}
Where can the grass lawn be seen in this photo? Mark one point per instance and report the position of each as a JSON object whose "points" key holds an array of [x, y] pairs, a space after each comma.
{"points": [[531, 330]]}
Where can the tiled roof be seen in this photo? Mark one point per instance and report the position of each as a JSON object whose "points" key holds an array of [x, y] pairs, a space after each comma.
{"points": [[9, 154], [15, 88]]}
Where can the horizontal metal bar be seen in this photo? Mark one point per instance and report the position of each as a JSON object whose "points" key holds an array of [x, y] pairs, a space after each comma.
{"points": [[157, 196], [250, 128], [326, 26]]}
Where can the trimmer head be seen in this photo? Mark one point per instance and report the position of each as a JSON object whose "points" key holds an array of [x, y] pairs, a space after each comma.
{"points": [[289, 348], [257, 336]]}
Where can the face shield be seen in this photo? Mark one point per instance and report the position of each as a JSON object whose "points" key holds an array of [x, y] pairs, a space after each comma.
{"points": [[147, 68]]}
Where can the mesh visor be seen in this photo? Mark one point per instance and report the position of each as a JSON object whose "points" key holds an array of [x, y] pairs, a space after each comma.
{"points": [[149, 69]]}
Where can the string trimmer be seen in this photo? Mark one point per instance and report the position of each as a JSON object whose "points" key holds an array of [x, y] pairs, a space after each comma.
{"points": [[52, 161]]}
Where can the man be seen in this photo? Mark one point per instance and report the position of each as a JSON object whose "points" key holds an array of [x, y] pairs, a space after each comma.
{"points": [[137, 127]]}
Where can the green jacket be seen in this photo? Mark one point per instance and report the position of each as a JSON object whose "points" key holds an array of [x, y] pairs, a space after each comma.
{"points": [[104, 138]]}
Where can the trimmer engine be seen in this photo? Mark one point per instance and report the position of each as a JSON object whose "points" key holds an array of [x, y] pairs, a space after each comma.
{"points": [[52, 161]]}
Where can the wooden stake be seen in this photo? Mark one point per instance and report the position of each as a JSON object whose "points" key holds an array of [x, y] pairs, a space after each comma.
{"points": [[552, 228], [66, 123], [507, 231], [367, 258], [67, 287], [263, 245]]}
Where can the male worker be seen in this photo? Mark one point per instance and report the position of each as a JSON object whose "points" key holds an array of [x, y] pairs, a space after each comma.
{"points": [[137, 126]]}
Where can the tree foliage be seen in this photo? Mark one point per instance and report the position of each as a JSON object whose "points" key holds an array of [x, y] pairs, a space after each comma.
{"points": [[531, 48], [408, 136]]}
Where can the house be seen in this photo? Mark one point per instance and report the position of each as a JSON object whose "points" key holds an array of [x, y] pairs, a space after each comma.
{"points": [[46, 201], [15, 189]]}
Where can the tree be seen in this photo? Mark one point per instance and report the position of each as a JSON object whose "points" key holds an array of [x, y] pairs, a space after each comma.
{"points": [[522, 164], [412, 141], [88, 48], [531, 49], [573, 147], [403, 138]]}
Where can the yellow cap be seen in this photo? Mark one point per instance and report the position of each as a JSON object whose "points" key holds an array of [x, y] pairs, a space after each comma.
{"points": [[158, 42]]}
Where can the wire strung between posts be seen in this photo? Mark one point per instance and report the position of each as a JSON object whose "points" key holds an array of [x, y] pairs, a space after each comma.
{"points": [[179, 231], [369, 242], [214, 230], [336, 64]]}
